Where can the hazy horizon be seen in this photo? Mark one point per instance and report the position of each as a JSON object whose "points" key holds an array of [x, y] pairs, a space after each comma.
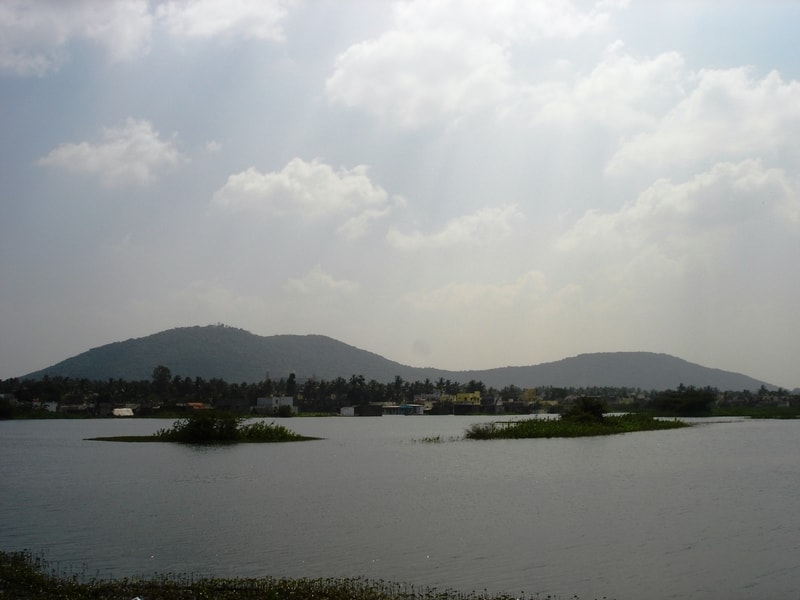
{"points": [[461, 185]]}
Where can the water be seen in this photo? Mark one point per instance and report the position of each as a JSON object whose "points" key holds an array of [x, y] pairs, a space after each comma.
{"points": [[712, 511]]}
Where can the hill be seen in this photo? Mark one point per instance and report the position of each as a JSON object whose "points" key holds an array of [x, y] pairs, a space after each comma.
{"points": [[235, 355]]}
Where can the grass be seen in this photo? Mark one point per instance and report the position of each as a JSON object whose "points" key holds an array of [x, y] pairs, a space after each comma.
{"points": [[564, 427], [26, 577], [207, 427]]}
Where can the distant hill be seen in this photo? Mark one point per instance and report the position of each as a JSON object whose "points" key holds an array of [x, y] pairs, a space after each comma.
{"points": [[237, 356]]}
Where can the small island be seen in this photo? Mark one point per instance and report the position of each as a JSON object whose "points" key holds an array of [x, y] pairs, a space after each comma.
{"points": [[209, 427], [586, 418]]}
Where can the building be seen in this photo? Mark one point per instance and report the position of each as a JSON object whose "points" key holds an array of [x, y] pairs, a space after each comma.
{"points": [[275, 404]]}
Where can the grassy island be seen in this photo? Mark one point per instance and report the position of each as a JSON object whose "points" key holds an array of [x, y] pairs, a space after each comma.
{"points": [[585, 419], [207, 427], [25, 577]]}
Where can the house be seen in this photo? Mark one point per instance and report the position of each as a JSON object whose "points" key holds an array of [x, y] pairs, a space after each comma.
{"points": [[391, 408], [122, 412], [274, 404], [362, 410]]}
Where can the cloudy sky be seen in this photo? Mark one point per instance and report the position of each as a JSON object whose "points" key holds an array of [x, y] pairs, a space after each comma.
{"points": [[451, 183]]}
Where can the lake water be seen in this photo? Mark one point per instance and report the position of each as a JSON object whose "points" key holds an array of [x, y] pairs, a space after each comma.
{"points": [[711, 511]]}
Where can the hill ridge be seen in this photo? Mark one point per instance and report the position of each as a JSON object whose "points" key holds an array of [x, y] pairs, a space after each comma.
{"points": [[236, 356]]}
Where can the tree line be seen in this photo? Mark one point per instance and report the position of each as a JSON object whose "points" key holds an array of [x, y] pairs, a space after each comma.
{"points": [[167, 390]]}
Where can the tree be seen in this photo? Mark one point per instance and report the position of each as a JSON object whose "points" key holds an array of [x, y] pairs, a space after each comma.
{"points": [[291, 385], [161, 379], [685, 401], [586, 410]]}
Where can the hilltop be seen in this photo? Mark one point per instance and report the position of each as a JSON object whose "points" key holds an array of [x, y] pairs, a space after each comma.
{"points": [[236, 356]]}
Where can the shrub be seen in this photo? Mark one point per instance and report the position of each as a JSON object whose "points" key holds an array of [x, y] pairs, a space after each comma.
{"points": [[208, 427], [585, 410]]}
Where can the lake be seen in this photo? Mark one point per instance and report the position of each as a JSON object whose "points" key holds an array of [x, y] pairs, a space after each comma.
{"points": [[711, 511]]}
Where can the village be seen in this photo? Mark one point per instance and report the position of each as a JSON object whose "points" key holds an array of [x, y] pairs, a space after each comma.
{"points": [[58, 397]]}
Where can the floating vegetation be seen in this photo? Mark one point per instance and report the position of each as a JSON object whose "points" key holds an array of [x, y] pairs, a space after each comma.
{"points": [[26, 577], [437, 439], [208, 427], [569, 427]]}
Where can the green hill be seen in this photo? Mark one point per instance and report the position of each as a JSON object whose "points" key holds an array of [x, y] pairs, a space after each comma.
{"points": [[235, 355]]}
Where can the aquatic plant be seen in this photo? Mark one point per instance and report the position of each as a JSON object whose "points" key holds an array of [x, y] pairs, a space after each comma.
{"points": [[209, 427], [569, 427]]}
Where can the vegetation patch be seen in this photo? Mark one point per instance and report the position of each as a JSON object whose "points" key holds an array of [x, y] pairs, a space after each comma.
{"points": [[25, 577], [585, 418], [758, 412], [208, 427]]}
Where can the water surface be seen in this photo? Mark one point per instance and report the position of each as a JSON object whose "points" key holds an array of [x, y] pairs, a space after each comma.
{"points": [[711, 511]]}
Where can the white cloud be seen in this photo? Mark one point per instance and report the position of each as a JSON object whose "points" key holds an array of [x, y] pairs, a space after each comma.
{"points": [[447, 58], [309, 190], [413, 78], [34, 34], [319, 283], [133, 153], [259, 19], [696, 268], [213, 146], [717, 225], [504, 20], [729, 115], [358, 226], [621, 91], [480, 227]]}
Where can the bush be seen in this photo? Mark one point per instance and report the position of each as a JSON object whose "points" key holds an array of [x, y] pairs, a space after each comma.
{"points": [[202, 427], [585, 410], [208, 427]]}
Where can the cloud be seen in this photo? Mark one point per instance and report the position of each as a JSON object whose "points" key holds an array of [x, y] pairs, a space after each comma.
{"points": [[621, 91], [480, 227], [445, 58], [721, 223], [319, 283], [479, 298], [504, 20], [309, 190], [414, 78], [358, 226], [698, 267], [34, 34], [258, 19], [729, 115], [133, 154]]}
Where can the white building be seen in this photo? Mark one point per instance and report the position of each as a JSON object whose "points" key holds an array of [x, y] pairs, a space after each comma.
{"points": [[273, 404]]}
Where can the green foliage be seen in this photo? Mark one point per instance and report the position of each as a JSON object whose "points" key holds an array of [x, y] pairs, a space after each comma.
{"points": [[585, 410], [23, 577], [202, 427], [267, 432], [285, 411], [209, 427], [549, 428], [6, 411], [684, 402]]}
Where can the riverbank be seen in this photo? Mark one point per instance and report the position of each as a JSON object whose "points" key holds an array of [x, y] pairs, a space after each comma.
{"points": [[26, 577]]}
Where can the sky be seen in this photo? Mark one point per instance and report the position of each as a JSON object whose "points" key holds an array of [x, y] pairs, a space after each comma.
{"points": [[456, 184]]}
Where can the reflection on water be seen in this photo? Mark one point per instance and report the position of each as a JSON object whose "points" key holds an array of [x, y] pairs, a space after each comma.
{"points": [[708, 511]]}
